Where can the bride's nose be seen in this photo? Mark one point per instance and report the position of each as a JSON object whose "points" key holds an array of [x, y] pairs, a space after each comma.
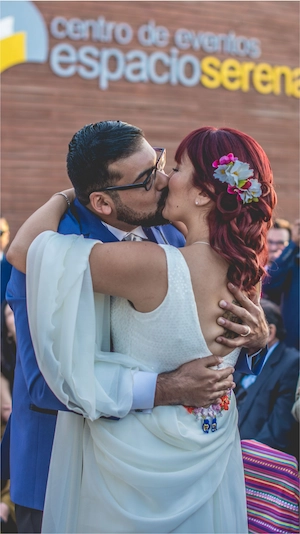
{"points": [[162, 180]]}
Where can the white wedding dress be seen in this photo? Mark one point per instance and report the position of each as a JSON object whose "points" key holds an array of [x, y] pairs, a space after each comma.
{"points": [[152, 472]]}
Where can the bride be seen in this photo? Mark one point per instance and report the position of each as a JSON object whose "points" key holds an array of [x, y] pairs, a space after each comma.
{"points": [[177, 468]]}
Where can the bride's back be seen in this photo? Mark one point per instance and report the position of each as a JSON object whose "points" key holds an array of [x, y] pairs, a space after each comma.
{"points": [[181, 326], [208, 272]]}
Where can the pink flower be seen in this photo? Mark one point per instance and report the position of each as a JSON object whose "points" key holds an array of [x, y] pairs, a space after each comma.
{"points": [[224, 160], [236, 190], [232, 190], [246, 185]]}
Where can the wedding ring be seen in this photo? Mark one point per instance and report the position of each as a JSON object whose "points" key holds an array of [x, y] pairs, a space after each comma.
{"points": [[247, 333]]}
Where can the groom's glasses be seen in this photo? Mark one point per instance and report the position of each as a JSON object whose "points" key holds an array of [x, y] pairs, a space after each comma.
{"points": [[150, 175]]}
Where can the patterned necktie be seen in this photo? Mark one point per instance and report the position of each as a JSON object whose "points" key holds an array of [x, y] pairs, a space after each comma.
{"points": [[133, 237]]}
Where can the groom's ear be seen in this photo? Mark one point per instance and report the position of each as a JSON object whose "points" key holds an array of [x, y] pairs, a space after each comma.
{"points": [[101, 203]]}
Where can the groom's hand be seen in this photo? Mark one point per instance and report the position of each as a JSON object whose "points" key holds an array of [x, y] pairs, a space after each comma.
{"points": [[252, 317], [194, 383]]}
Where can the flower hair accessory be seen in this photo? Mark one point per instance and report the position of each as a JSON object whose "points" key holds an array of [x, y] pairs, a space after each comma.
{"points": [[238, 177]]}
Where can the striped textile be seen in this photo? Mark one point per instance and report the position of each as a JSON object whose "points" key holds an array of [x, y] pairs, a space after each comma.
{"points": [[272, 489]]}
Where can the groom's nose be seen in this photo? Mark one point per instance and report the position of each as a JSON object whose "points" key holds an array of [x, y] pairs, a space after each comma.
{"points": [[162, 180]]}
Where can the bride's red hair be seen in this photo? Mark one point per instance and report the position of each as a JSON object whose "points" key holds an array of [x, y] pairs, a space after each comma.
{"points": [[237, 231]]}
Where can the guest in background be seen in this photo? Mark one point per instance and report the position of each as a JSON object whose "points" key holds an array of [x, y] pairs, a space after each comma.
{"points": [[8, 343], [296, 405], [265, 402], [6, 402], [5, 265], [278, 238], [8, 359], [282, 285]]}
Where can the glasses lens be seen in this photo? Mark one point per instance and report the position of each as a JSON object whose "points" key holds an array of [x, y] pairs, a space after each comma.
{"points": [[162, 160]]}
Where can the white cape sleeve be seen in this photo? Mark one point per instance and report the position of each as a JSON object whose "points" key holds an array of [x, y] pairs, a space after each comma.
{"points": [[70, 329]]}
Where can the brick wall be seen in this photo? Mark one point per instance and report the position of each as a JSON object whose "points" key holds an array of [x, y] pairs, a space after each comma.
{"points": [[40, 111]]}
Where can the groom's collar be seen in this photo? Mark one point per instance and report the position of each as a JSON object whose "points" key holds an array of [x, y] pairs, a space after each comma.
{"points": [[120, 234], [92, 226]]}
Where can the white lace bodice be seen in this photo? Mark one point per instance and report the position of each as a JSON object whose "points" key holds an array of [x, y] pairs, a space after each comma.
{"points": [[169, 336]]}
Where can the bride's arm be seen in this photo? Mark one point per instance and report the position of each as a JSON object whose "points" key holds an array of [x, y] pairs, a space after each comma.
{"points": [[135, 271], [45, 218], [130, 270]]}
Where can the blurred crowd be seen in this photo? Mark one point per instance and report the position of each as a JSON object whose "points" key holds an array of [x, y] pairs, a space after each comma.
{"points": [[8, 360], [269, 404], [266, 403]]}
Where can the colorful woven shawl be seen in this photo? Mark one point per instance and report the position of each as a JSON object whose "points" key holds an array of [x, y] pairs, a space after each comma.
{"points": [[272, 489]]}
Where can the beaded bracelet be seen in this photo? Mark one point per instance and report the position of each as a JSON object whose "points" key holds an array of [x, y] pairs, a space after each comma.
{"points": [[65, 196]]}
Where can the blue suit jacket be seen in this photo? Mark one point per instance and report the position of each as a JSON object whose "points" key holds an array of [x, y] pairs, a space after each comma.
{"points": [[32, 423]]}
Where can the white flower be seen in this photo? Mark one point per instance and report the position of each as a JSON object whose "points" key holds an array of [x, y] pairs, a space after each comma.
{"points": [[233, 173], [252, 194], [237, 175], [221, 174], [240, 171]]}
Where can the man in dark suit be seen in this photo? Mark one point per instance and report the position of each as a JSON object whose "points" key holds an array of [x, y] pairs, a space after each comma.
{"points": [[265, 402], [282, 283], [120, 187]]}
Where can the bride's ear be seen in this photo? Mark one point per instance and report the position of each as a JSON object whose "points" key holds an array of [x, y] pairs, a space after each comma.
{"points": [[101, 203], [202, 198]]}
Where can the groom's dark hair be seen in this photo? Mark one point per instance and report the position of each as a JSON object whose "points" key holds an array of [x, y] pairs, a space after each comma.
{"points": [[93, 148]]}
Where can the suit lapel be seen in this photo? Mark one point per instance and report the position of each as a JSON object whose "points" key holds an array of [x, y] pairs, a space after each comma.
{"points": [[258, 385]]}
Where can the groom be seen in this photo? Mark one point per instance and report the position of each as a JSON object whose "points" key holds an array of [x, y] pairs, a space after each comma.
{"points": [[118, 193]]}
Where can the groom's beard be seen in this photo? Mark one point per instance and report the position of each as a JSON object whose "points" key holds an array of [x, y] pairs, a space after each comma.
{"points": [[136, 218]]}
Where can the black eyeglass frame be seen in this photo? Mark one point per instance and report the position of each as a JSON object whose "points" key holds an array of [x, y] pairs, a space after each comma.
{"points": [[146, 184]]}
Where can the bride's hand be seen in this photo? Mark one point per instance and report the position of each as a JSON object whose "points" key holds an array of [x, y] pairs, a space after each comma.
{"points": [[253, 332]]}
